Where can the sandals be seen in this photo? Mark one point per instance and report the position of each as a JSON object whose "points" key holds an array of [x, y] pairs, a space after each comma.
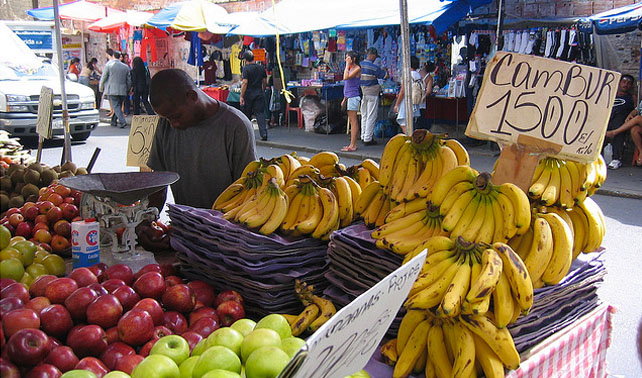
{"points": [[349, 149]]}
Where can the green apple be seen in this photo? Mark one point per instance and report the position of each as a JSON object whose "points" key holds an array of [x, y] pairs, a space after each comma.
{"points": [[12, 268], [172, 346], [227, 337], [259, 338], [276, 322], [291, 345], [218, 373], [217, 357], [199, 348], [157, 366], [266, 362], [116, 374], [245, 326], [187, 367], [359, 374], [77, 373]]}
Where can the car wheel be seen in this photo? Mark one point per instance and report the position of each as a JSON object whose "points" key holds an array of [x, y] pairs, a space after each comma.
{"points": [[81, 136]]}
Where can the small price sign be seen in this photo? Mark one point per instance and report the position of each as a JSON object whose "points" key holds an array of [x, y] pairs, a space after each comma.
{"points": [[560, 108], [140, 141]]}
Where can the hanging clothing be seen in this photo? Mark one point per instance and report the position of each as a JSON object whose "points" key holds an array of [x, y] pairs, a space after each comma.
{"points": [[195, 57], [235, 59]]}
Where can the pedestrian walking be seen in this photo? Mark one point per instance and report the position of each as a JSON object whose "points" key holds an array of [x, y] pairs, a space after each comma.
{"points": [[140, 83], [351, 97], [115, 83], [253, 92], [370, 88]]}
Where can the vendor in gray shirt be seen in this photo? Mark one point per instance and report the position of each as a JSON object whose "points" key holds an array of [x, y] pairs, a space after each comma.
{"points": [[203, 140]]}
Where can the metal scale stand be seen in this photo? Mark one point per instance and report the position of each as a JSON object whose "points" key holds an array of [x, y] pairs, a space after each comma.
{"points": [[116, 201]]}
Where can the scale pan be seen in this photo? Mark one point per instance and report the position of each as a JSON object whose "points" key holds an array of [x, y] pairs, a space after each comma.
{"points": [[124, 188]]}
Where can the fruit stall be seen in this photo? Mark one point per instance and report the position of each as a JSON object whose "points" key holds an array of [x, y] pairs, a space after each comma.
{"points": [[437, 269]]}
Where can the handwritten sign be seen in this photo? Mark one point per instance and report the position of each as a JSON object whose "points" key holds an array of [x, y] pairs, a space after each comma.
{"points": [[141, 136], [45, 109], [564, 107], [344, 344], [259, 55]]}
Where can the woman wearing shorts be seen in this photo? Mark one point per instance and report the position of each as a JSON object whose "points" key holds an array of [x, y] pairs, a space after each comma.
{"points": [[399, 107], [351, 98]]}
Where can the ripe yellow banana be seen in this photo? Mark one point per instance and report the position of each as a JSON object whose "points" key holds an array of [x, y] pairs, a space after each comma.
{"points": [[303, 170], [457, 211], [566, 186], [229, 193], [402, 191], [290, 318], [324, 158], [406, 208], [540, 183], [327, 311], [388, 157], [292, 212], [456, 291], [503, 304], [372, 167], [344, 198], [389, 352], [487, 228], [262, 214], [466, 220], [277, 216], [552, 191], [383, 211], [449, 159], [596, 225], [472, 231], [517, 274], [431, 274], [436, 244], [412, 351], [355, 192], [402, 165], [424, 183], [508, 214], [315, 213], [449, 180], [372, 212], [251, 167], [541, 248], [459, 150], [433, 294], [274, 171], [409, 322], [499, 229], [304, 319], [465, 353], [499, 340], [330, 213], [438, 353], [562, 255], [398, 224], [366, 197], [576, 181], [490, 363], [491, 269], [521, 205]]}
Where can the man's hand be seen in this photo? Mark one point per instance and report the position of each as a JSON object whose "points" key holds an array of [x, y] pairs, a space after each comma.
{"points": [[152, 236], [242, 101], [610, 134]]}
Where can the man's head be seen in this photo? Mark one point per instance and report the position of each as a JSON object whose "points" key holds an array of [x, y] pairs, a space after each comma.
{"points": [[110, 53], [248, 56], [414, 62], [174, 96], [116, 54], [627, 82], [372, 54]]}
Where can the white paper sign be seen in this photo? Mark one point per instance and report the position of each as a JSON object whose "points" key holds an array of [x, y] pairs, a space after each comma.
{"points": [[344, 344], [45, 109], [141, 136]]}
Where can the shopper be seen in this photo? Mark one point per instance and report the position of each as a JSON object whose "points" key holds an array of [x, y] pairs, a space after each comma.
{"points": [[109, 53], [400, 107], [85, 73], [351, 98], [370, 89], [115, 83], [124, 57], [253, 92], [74, 68], [206, 142], [633, 123], [140, 85], [622, 107], [426, 73]]}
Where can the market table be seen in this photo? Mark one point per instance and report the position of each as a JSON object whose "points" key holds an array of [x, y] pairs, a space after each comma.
{"points": [[329, 92], [217, 93], [447, 109]]}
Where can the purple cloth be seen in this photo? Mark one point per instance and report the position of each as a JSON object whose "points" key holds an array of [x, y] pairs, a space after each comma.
{"points": [[351, 87]]}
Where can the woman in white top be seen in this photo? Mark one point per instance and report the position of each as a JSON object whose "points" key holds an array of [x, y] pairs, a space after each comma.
{"points": [[399, 107], [426, 73]]}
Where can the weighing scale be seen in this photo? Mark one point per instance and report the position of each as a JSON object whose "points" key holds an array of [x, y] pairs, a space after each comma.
{"points": [[116, 201]]}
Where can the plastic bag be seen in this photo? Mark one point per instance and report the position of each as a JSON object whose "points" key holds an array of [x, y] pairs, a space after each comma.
{"points": [[385, 129], [608, 153], [275, 101]]}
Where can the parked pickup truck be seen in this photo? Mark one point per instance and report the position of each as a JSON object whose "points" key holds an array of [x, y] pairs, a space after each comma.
{"points": [[19, 95]]}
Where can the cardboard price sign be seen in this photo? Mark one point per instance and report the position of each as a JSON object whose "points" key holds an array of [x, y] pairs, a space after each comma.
{"points": [[560, 108], [45, 112], [141, 136], [344, 344]]}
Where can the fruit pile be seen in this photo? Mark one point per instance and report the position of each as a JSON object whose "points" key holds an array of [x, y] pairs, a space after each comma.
{"points": [[12, 151], [24, 261], [317, 311], [105, 318]]}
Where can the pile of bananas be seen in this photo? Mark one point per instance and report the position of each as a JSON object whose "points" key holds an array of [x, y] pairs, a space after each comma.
{"points": [[317, 310], [565, 182], [364, 173], [11, 148], [373, 205]]}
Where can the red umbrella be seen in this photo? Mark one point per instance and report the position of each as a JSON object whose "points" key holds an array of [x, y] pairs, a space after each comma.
{"points": [[80, 10]]}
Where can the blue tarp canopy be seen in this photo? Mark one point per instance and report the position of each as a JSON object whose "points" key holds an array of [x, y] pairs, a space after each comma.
{"points": [[615, 21]]}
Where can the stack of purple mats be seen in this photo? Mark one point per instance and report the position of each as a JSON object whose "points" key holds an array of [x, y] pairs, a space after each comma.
{"points": [[356, 265], [262, 268]]}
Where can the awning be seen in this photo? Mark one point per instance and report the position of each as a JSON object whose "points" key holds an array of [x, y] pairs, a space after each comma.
{"points": [[252, 24], [192, 15], [615, 21], [80, 10], [114, 22]]}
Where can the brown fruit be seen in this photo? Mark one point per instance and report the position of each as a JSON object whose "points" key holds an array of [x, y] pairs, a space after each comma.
{"points": [[30, 189], [18, 175], [16, 201], [69, 166], [36, 167], [32, 177], [47, 176], [81, 171]]}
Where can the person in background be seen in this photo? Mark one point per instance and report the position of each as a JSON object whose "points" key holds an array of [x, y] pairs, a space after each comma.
{"points": [[622, 107], [85, 73], [206, 142], [124, 57], [116, 83], [370, 89], [426, 73], [140, 84], [111, 59], [351, 97], [400, 108], [254, 81], [633, 123], [94, 79], [74, 67]]}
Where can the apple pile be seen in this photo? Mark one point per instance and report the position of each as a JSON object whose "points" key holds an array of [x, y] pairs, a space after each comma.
{"points": [[47, 221], [103, 318]]}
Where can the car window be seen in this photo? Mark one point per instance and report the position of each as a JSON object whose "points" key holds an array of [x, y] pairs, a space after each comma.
{"points": [[45, 72]]}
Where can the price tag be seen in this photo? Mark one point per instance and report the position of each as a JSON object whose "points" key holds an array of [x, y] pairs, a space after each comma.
{"points": [[344, 344], [141, 136], [559, 107], [57, 123], [45, 108]]}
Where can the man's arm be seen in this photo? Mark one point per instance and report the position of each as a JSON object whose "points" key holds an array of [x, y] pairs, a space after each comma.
{"points": [[158, 199], [103, 78], [243, 89]]}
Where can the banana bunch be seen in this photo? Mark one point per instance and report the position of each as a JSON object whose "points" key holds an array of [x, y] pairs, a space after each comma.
{"points": [[564, 182], [410, 166], [327, 163], [317, 310], [405, 228], [241, 190], [364, 173], [459, 347], [477, 210], [347, 193], [547, 247], [313, 210], [373, 205], [459, 277], [589, 226]]}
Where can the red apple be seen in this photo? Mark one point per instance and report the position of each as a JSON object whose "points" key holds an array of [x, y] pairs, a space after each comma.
{"points": [[31, 213], [104, 311], [44, 371], [229, 312], [4, 282], [15, 290], [62, 228], [153, 308], [83, 277], [204, 326], [198, 305], [19, 319], [115, 352], [121, 272], [179, 298], [175, 321], [38, 304], [161, 331], [112, 335], [87, 340], [228, 295], [192, 339], [54, 215], [62, 357], [15, 219], [168, 270], [98, 269], [13, 210], [173, 280], [203, 312], [55, 320], [28, 347], [93, 365], [150, 285], [23, 229], [78, 302], [127, 297], [7, 369], [38, 286], [44, 206], [128, 363], [46, 247], [59, 243], [112, 284], [54, 342], [41, 219], [9, 304], [204, 292], [77, 197], [40, 226], [144, 350], [70, 211], [55, 198], [147, 268], [59, 289], [99, 289], [42, 235], [136, 327]]}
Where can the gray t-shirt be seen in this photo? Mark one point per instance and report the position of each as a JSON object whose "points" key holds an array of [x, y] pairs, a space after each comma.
{"points": [[208, 156]]}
